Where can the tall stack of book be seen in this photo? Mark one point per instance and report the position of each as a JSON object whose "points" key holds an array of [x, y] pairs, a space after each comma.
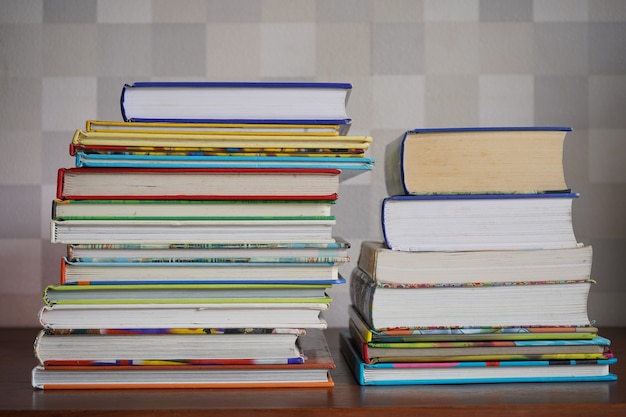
{"points": [[199, 239], [480, 278]]}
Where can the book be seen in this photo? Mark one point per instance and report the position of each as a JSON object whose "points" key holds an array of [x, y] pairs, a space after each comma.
{"points": [[385, 306], [460, 334], [197, 183], [349, 167], [334, 129], [498, 266], [173, 292], [335, 252], [203, 315], [156, 142], [472, 372], [279, 150], [478, 160], [313, 373], [220, 231], [141, 347], [478, 222], [197, 272], [486, 350], [186, 209], [236, 102]]}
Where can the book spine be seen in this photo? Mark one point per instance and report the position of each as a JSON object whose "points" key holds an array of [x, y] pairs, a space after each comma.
{"points": [[394, 167], [63, 272], [122, 99], [383, 223], [60, 179], [350, 355], [53, 232], [368, 256], [362, 289]]}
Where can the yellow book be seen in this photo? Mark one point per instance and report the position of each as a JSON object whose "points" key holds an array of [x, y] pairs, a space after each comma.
{"points": [[221, 128], [217, 140]]}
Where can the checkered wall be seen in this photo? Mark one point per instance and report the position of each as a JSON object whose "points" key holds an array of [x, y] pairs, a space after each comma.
{"points": [[429, 63]]}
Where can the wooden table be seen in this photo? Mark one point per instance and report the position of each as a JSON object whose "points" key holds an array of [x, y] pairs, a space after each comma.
{"points": [[18, 398]]}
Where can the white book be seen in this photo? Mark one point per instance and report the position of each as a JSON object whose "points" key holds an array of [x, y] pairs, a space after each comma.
{"points": [[191, 231], [152, 316]]}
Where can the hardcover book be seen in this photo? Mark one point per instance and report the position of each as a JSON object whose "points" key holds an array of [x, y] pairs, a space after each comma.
{"points": [[197, 272], [186, 209], [333, 129], [200, 315], [473, 372], [484, 160], [385, 306], [142, 347], [197, 184], [349, 167], [173, 293], [479, 222], [470, 334], [437, 267], [213, 142], [312, 373], [236, 102], [222, 231], [335, 251], [486, 350]]}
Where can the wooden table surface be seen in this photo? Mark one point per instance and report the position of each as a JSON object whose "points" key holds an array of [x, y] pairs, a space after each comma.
{"points": [[347, 398]]}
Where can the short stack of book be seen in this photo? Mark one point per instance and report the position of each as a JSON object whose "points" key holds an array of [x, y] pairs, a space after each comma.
{"points": [[199, 237], [480, 278]]}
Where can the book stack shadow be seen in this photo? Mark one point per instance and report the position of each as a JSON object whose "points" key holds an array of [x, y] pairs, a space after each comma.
{"points": [[199, 235], [480, 277]]}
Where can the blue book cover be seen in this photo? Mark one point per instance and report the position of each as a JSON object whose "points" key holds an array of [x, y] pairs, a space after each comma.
{"points": [[349, 166], [491, 129], [473, 372]]}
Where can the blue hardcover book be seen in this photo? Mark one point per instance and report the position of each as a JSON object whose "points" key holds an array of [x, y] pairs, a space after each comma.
{"points": [[478, 222], [476, 160], [473, 372], [349, 166], [236, 102]]}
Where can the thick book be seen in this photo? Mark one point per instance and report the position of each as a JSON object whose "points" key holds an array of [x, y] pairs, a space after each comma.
{"points": [[385, 306], [173, 293], [314, 372], [168, 347], [349, 167], [236, 102], [215, 142], [331, 129], [473, 372], [479, 222], [335, 252], [202, 315], [465, 334], [476, 160], [197, 183], [196, 272], [401, 267], [222, 231], [486, 350], [186, 209]]}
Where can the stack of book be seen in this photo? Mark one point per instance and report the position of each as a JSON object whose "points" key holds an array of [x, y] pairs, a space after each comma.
{"points": [[480, 278], [199, 237]]}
